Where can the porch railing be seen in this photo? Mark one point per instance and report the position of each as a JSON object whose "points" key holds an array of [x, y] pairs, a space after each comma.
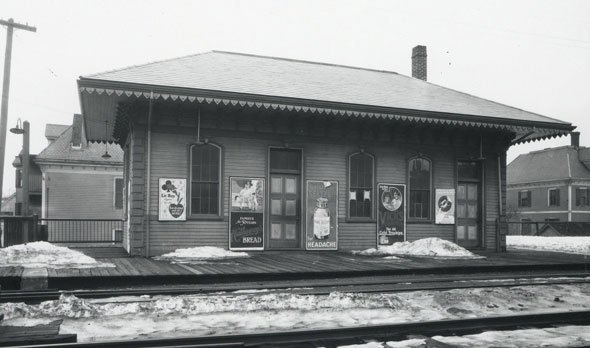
{"points": [[24, 229], [83, 230]]}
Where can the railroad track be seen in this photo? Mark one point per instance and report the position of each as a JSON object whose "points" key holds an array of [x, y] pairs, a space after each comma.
{"points": [[388, 285], [353, 335]]}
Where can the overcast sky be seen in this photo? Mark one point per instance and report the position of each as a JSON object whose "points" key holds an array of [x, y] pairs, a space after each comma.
{"points": [[534, 55]]}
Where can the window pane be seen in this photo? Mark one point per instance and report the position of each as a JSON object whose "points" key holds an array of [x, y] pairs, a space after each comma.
{"points": [[461, 192], [205, 179], [419, 204], [472, 232], [290, 185], [275, 231], [289, 231], [276, 207], [276, 185], [361, 185], [290, 207], [460, 232], [461, 210], [472, 210], [472, 192]]}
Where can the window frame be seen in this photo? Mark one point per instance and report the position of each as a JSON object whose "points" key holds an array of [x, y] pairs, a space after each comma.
{"points": [[373, 185], [115, 193], [430, 218], [221, 178], [529, 198], [549, 190], [579, 189]]}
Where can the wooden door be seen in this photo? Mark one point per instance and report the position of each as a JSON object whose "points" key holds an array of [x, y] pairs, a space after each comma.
{"points": [[285, 199], [285, 212], [468, 215]]}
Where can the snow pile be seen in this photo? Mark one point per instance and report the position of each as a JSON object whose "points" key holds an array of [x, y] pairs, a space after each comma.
{"points": [[134, 317], [564, 336], [435, 247], [576, 245], [200, 254], [43, 254]]}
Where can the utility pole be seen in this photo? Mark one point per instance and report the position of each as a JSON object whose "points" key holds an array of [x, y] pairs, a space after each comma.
{"points": [[10, 26]]}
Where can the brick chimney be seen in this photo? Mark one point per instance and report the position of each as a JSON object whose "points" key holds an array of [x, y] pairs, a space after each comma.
{"points": [[77, 131], [575, 138], [419, 66]]}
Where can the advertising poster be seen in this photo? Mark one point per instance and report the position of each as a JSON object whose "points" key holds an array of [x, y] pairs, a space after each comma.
{"points": [[445, 206], [171, 199], [246, 214], [321, 215], [391, 214]]}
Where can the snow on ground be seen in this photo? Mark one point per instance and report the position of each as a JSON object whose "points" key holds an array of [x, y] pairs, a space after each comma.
{"points": [[43, 254], [200, 254], [576, 245], [434, 247], [176, 316], [565, 336]]}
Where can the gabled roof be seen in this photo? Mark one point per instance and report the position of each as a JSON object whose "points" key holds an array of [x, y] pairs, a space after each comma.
{"points": [[294, 82], [61, 151], [557, 163]]}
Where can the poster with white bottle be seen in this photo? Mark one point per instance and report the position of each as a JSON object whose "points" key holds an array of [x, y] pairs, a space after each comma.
{"points": [[321, 215], [171, 199]]}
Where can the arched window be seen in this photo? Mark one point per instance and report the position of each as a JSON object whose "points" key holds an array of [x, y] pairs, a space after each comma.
{"points": [[360, 184], [205, 179], [420, 174]]}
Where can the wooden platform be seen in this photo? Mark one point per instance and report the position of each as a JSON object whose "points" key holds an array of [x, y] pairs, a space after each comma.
{"points": [[295, 265]]}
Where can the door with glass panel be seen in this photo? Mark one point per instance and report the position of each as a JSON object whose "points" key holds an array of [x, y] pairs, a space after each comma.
{"points": [[469, 204], [285, 199]]}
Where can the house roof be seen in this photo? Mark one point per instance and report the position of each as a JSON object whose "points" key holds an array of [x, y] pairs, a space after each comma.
{"points": [[52, 131], [259, 78], [557, 163], [61, 151]]}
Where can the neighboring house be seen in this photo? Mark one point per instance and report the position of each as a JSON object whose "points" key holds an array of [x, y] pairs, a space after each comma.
{"points": [[77, 182], [550, 185], [8, 204], [304, 128], [35, 185]]}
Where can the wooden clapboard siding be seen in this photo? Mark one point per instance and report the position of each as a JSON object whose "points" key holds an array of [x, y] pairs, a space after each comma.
{"points": [[245, 143], [77, 193], [491, 201]]}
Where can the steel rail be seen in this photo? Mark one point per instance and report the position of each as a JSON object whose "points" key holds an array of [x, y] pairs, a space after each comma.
{"points": [[349, 335], [32, 297]]}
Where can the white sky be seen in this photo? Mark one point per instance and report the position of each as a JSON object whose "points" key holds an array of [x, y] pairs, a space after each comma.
{"points": [[533, 55]]}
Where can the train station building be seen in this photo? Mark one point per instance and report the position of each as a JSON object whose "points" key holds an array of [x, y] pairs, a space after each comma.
{"points": [[249, 152]]}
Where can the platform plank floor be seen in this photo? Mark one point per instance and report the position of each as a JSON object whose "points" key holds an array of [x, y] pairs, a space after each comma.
{"points": [[306, 262]]}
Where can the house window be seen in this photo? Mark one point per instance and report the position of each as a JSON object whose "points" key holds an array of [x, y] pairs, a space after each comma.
{"points": [[420, 175], [360, 174], [524, 198], [553, 197], [525, 227], [118, 193], [582, 194], [205, 182]]}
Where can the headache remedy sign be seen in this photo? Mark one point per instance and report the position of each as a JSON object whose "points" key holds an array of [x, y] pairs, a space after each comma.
{"points": [[391, 214], [321, 215], [246, 214]]}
